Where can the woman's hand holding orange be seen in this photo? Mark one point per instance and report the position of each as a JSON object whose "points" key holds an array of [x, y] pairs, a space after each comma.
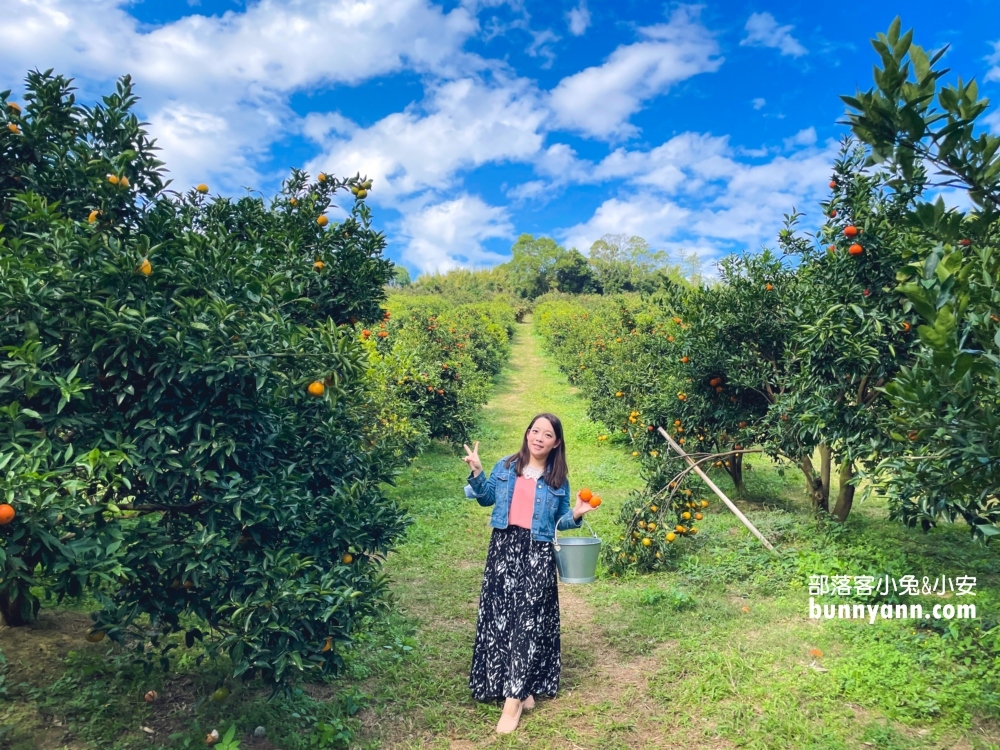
{"points": [[586, 501]]}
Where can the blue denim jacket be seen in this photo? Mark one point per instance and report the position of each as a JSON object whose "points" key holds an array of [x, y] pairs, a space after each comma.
{"points": [[552, 506]]}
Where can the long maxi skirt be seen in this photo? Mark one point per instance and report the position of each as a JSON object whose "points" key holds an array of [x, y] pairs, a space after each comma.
{"points": [[516, 653]]}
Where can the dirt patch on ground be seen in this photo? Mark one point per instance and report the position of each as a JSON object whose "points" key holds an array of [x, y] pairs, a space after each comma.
{"points": [[35, 651]]}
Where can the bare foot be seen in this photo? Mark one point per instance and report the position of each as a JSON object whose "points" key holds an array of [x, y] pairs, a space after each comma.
{"points": [[529, 702], [510, 717]]}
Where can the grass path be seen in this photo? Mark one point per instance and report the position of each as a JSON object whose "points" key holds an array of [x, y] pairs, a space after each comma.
{"points": [[438, 574], [718, 654]]}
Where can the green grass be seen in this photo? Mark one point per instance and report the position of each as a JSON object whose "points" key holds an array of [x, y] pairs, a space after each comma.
{"points": [[662, 660]]}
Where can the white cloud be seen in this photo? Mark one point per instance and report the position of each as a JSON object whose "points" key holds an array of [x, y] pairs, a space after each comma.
{"points": [[468, 123], [758, 102], [693, 193], [763, 31], [599, 100], [993, 74], [232, 75], [451, 234], [806, 137], [578, 19]]}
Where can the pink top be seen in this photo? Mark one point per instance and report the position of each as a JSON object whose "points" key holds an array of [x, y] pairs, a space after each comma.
{"points": [[522, 502]]}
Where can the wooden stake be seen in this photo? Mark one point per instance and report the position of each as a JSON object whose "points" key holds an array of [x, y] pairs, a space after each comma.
{"points": [[715, 489]]}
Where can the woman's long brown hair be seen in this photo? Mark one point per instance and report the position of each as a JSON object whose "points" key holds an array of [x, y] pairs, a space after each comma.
{"points": [[555, 465]]}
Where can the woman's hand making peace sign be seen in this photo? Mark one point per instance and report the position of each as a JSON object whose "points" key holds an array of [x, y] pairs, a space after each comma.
{"points": [[472, 459]]}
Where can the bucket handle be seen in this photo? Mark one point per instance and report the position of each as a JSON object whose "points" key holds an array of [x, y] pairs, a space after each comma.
{"points": [[582, 518]]}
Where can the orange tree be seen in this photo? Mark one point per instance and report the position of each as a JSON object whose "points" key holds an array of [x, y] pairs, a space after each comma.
{"points": [[945, 424], [181, 395], [852, 334]]}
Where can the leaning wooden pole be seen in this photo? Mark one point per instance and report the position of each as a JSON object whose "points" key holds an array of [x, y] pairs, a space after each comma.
{"points": [[739, 514]]}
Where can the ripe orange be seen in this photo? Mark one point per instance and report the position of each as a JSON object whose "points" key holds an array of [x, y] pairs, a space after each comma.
{"points": [[327, 646], [855, 249], [906, 326], [965, 242], [123, 181], [686, 516], [220, 695], [619, 394], [704, 503], [319, 265], [698, 516], [851, 232], [113, 179], [833, 184], [316, 388], [365, 333], [684, 359], [679, 529], [151, 696], [13, 128], [321, 177], [322, 221], [7, 513], [714, 382], [595, 501], [743, 424], [93, 216], [347, 559], [383, 334], [833, 214], [769, 287], [913, 434], [676, 320], [145, 268], [203, 188], [671, 536], [693, 530], [646, 541], [585, 495], [815, 653], [744, 609], [831, 249], [14, 106], [96, 636]]}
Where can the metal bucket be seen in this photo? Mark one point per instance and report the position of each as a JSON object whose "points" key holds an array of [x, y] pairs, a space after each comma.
{"points": [[576, 557]]}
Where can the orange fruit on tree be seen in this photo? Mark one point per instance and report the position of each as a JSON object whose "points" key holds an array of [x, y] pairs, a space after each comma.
{"points": [[906, 326], [851, 231], [704, 503], [686, 516], [319, 265], [321, 177], [145, 268], [693, 530], [671, 536], [347, 559], [684, 359], [93, 216], [833, 214], [676, 320], [327, 646], [585, 495], [7, 513], [698, 516], [316, 388], [965, 242], [769, 287], [14, 106], [833, 184], [831, 249], [203, 188], [855, 249], [113, 179], [365, 333], [383, 334], [322, 221], [123, 181], [646, 541]]}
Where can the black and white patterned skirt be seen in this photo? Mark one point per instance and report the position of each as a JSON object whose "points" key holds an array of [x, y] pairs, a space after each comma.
{"points": [[516, 653]]}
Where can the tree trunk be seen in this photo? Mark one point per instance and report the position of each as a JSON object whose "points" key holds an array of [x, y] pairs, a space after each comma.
{"points": [[845, 499], [818, 485], [736, 473], [12, 612]]}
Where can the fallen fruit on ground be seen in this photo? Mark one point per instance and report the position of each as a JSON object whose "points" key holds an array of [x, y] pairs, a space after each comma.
{"points": [[220, 695], [96, 636], [151, 696]]}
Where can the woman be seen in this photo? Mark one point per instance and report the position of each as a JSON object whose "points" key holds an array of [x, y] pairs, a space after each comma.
{"points": [[516, 654]]}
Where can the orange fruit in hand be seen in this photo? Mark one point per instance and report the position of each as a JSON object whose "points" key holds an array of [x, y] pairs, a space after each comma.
{"points": [[595, 501], [585, 495], [7, 513], [316, 388]]}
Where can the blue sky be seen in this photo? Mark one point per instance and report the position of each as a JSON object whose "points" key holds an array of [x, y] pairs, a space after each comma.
{"points": [[694, 126]]}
